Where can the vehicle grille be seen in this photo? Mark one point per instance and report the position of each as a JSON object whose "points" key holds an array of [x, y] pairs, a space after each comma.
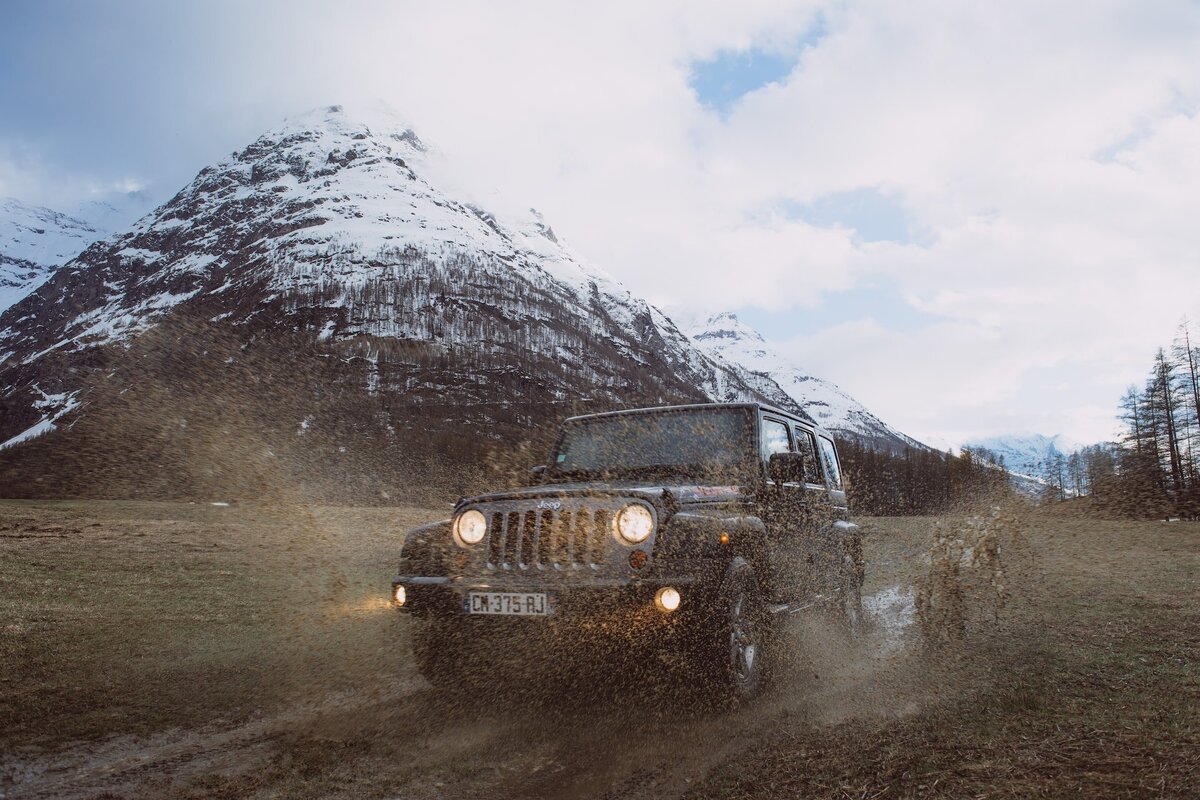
{"points": [[542, 538]]}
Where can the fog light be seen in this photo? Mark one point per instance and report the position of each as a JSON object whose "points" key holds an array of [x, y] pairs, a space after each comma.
{"points": [[667, 599], [399, 595]]}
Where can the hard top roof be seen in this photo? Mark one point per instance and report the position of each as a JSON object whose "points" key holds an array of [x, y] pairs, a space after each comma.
{"points": [[758, 407]]}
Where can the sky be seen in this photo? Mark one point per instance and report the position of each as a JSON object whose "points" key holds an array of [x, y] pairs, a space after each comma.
{"points": [[976, 218]]}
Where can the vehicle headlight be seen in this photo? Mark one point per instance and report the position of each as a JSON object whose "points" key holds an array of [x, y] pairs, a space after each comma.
{"points": [[470, 527], [634, 523], [667, 598]]}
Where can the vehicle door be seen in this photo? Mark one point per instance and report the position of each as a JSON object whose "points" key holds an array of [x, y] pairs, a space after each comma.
{"points": [[783, 514], [816, 532], [844, 543]]}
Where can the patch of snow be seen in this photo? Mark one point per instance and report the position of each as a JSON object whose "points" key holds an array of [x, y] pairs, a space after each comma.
{"points": [[43, 427], [57, 406]]}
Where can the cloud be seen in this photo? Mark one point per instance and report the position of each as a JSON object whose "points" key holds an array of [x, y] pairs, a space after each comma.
{"points": [[1019, 178]]}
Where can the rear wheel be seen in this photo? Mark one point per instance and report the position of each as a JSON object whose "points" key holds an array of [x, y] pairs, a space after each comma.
{"points": [[848, 592]]}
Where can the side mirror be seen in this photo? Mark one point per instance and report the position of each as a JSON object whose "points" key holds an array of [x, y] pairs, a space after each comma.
{"points": [[538, 471], [786, 467]]}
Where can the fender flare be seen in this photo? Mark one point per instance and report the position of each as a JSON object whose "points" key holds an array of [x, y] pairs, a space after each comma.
{"points": [[425, 549], [693, 533]]}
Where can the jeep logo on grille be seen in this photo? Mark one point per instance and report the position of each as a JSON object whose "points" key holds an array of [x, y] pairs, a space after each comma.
{"points": [[552, 505]]}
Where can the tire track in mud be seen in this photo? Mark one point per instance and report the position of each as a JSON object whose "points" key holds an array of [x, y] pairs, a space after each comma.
{"points": [[126, 764], [664, 747]]}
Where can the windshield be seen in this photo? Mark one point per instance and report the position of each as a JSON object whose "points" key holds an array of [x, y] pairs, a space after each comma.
{"points": [[713, 444]]}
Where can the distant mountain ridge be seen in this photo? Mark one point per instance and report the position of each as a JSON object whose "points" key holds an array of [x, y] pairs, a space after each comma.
{"points": [[337, 227], [34, 241], [1027, 454]]}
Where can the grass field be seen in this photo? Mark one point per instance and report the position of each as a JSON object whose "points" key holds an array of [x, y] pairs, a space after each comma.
{"points": [[193, 650], [133, 617], [1092, 689]]}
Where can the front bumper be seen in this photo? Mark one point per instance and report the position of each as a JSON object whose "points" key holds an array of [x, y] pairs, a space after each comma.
{"points": [[596, 601]]}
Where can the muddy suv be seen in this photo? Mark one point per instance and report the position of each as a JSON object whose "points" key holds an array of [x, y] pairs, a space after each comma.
{"points": [[698, 526]]}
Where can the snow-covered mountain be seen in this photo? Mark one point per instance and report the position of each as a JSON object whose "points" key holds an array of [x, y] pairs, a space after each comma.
{"points": [[34, 241], [115, 211], [726, 337], [340, 228], [1027, 454]]}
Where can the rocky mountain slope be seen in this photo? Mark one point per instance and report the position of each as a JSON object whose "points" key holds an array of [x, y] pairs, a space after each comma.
{"points": [[725, 337]]}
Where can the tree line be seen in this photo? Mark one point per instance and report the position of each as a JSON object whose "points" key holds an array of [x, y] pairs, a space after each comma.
{"points": [[1159, 450], [920, 481], [1080, 473], [1153, 468]]}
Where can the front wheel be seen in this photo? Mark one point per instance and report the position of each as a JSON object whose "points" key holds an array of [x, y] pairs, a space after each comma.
{"points": [[444, 654], [734, 646]]}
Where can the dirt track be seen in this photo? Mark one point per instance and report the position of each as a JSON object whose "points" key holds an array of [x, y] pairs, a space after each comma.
{"points": [[228, 697]]}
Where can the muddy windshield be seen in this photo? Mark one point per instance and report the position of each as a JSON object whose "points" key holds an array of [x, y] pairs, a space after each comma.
{"points": [[701, 444]]}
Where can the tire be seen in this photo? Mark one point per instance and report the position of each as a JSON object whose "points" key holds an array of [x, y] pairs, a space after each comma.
{"points": [[733, 650], [848, 610], [443, 654]]}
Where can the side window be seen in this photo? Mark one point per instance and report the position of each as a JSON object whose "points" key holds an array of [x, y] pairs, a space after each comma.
{"points": [[829, 459], [775, 438], [806, 443]]}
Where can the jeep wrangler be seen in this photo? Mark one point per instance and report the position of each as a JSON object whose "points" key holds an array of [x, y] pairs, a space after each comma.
{"points": [[704, 524]]}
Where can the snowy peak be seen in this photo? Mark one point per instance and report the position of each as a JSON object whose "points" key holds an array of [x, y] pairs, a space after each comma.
{"points": [[1027, 453], [726, 328], [726, 337], [1065, 444]]}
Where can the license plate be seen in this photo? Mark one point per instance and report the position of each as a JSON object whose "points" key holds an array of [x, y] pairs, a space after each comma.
{"points": [[516, 604]]}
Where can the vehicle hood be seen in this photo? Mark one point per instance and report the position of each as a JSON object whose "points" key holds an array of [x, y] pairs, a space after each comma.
{"points": [[657, 493]]}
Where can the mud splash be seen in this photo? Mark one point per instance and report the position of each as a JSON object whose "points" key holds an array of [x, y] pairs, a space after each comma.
{"points": [[891, 616]]}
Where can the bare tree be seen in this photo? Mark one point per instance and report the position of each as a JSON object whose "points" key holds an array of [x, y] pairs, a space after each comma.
{"points": [[1165, 394], [1187, 359]]}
